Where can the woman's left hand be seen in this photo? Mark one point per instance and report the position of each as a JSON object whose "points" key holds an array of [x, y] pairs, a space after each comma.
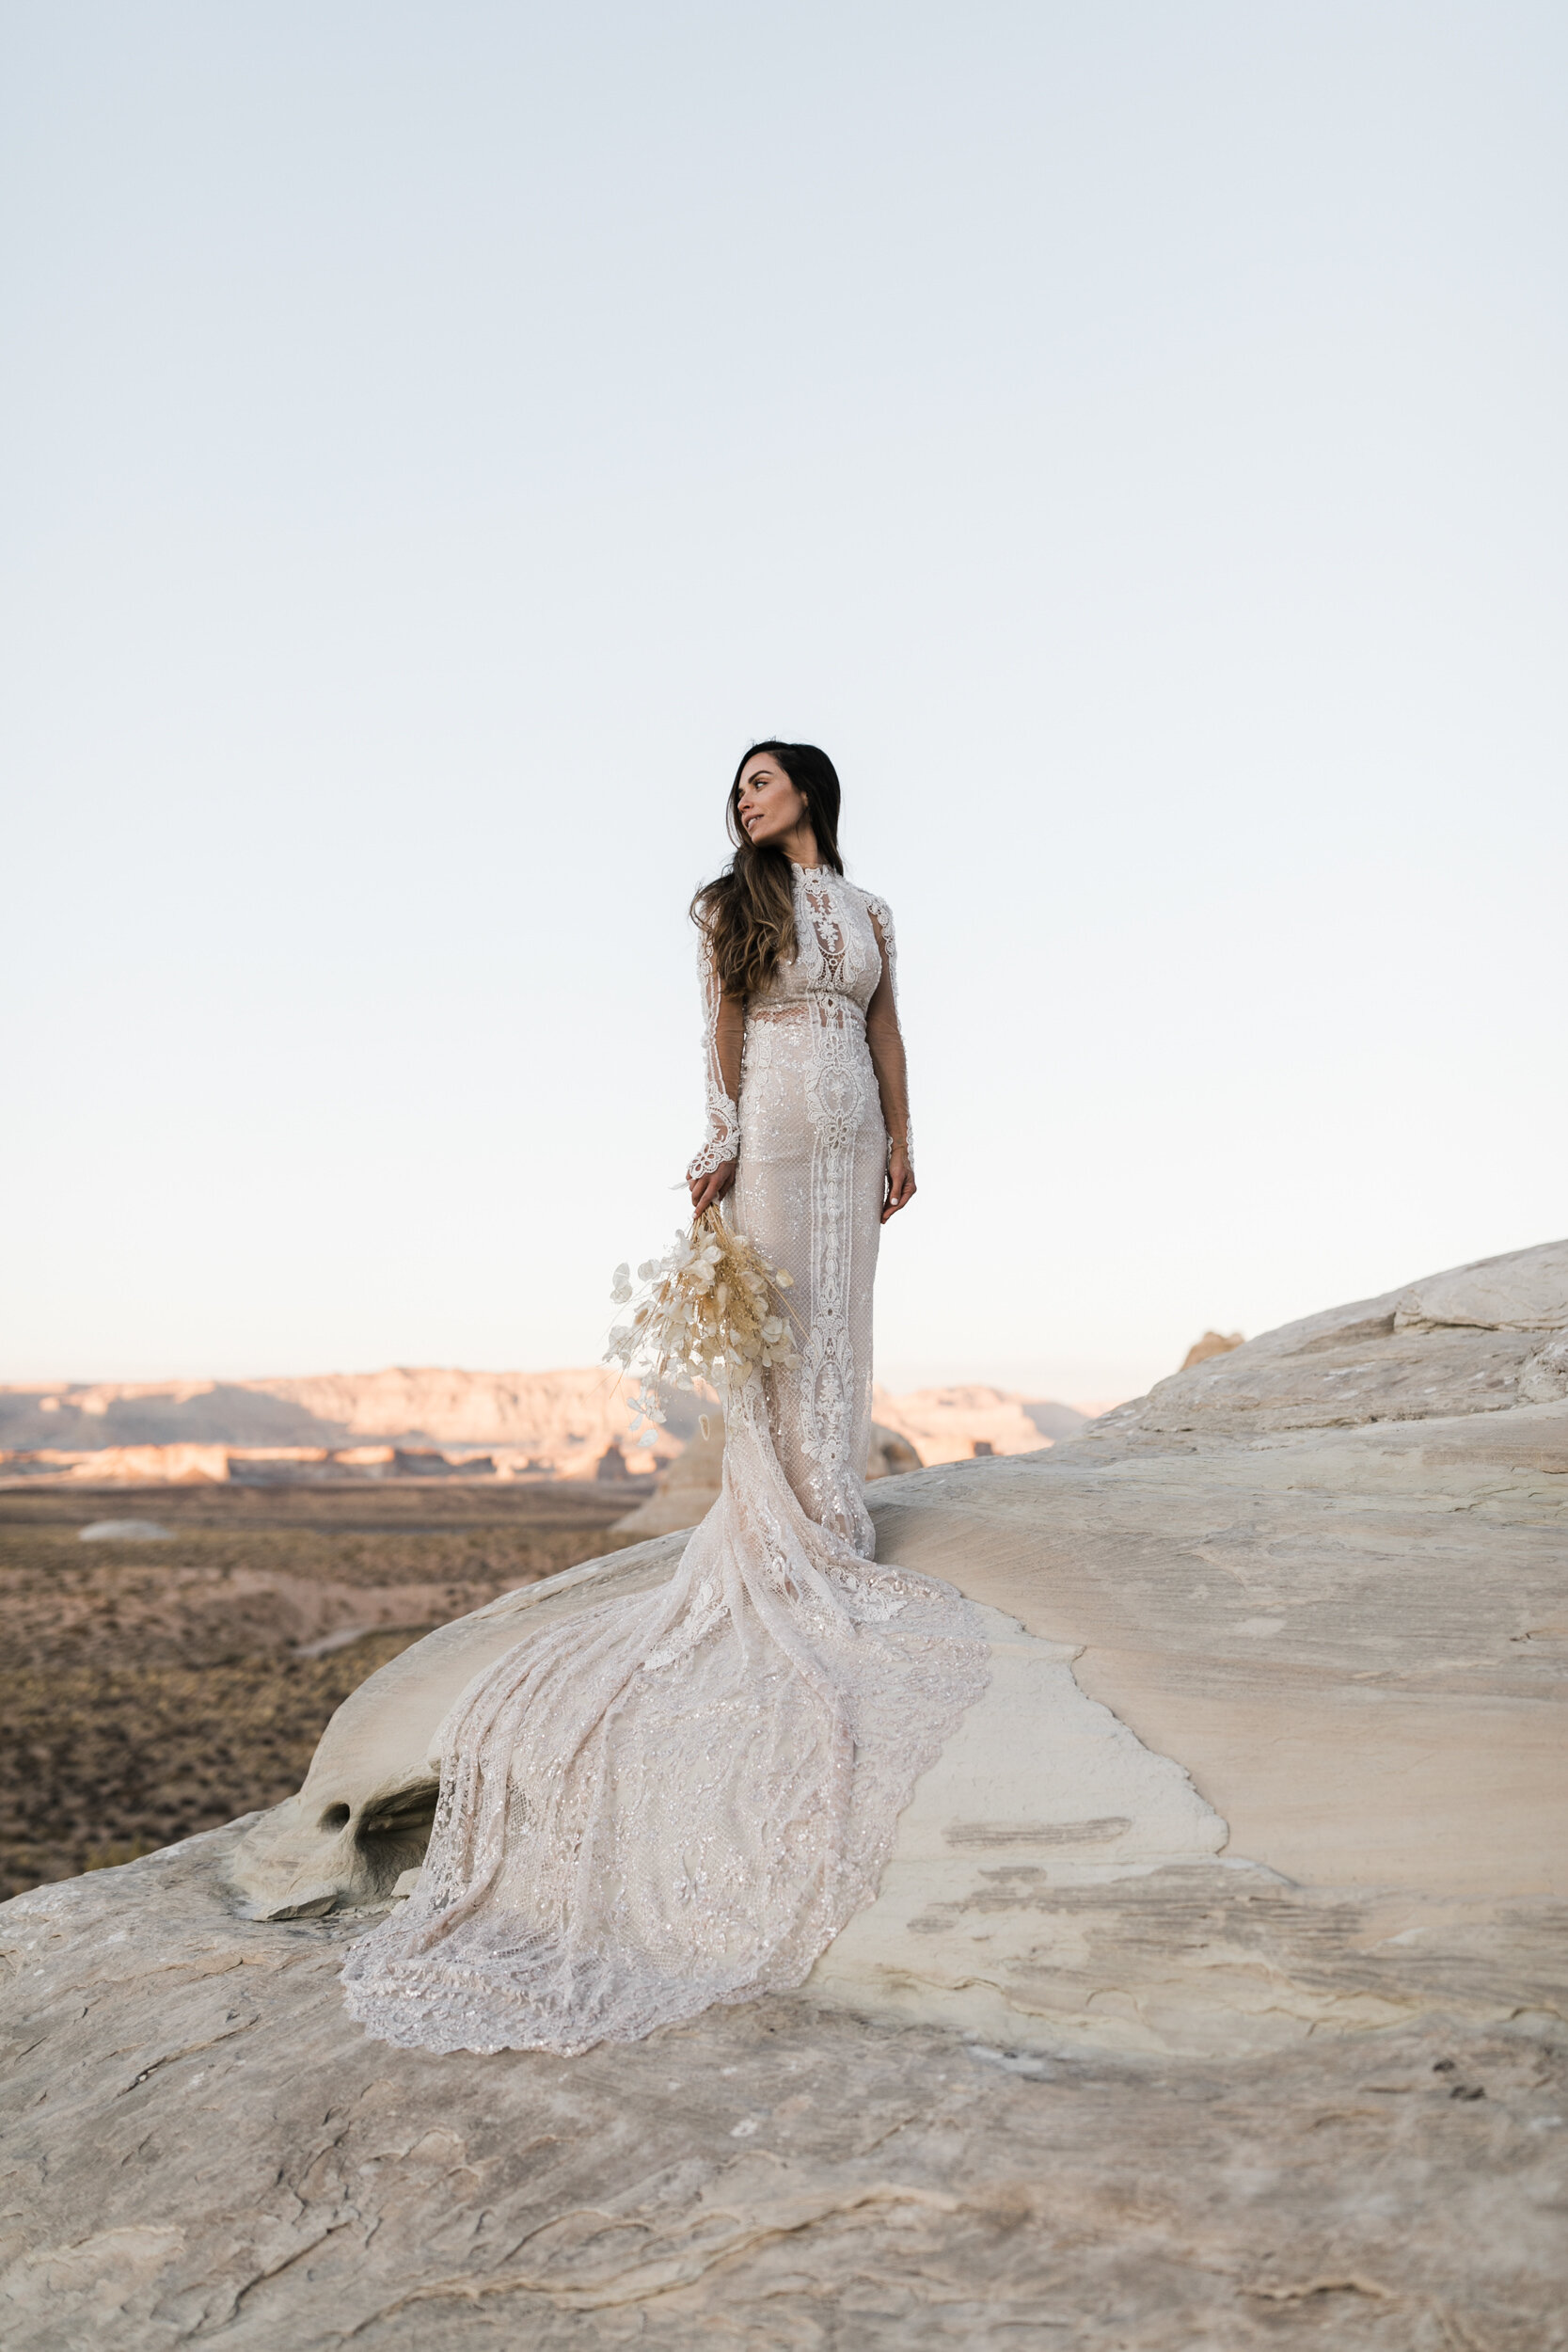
{"points": [[705, 1190], [900, 1182]]}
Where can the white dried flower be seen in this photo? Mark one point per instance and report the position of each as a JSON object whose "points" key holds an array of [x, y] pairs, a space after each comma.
{"points": [[708, 1311]]}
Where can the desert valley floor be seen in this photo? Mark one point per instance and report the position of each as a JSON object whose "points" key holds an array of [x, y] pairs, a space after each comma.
{"points": [[153, 1688]]}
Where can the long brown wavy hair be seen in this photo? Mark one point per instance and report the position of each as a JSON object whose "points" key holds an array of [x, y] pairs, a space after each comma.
{"points": [[747, 913]]}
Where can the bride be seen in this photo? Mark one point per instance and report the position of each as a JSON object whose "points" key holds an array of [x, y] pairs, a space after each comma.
{"points": [[680, 1797]]}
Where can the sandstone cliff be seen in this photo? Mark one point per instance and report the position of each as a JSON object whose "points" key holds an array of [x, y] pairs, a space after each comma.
{"points": [[969, 1420], [558, 1424]]}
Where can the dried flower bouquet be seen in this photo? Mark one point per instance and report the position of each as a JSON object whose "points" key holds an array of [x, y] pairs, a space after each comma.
{"points": [[713, 1309]]}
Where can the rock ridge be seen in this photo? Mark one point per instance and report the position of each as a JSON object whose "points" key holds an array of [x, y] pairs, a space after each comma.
{"points": [[1213, 1994]]}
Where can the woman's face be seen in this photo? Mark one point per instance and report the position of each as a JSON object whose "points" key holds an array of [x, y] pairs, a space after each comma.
{"points": [[768, 804]]}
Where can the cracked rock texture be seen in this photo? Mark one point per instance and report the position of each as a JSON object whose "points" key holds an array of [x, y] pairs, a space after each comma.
{"points": [[1213, 1996], [201, 2150]]}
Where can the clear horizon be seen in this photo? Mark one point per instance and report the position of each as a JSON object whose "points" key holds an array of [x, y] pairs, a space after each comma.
{"points": [[438, 443]]}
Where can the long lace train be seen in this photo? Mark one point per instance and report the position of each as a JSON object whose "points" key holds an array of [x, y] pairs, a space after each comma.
{"points": [[677, 1798]]}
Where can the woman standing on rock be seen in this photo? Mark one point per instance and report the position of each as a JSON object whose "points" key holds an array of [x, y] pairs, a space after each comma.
{"points": [[680, 1797]]}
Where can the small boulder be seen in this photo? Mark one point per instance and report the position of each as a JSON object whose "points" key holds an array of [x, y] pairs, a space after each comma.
{"points": [[1212, 1344]]}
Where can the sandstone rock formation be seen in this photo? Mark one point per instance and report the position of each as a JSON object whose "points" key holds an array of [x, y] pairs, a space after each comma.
{"points": [[561, 1419], [556, 1424], [1256, 1623], [273, 1465], [969, 1420], [199, 2149], [129, 1465], [1213, 1994], [561, 1425], [560, 1422], [891, 1455], [1212, 1344], [1477, 1340], [86, 1414]]}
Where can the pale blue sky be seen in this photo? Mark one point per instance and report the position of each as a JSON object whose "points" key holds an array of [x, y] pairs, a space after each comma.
{"points": [[436, 438]]}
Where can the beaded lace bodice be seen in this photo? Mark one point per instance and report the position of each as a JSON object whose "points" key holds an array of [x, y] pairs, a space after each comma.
{"points": [[680, 1797], [843, 934]]}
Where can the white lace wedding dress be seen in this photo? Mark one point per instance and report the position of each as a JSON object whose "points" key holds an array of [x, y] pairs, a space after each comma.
{"points": [[680, 1797]]}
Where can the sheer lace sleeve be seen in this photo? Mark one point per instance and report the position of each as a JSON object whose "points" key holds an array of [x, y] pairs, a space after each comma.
{"points": [[724, 1142], [884, 1035]]}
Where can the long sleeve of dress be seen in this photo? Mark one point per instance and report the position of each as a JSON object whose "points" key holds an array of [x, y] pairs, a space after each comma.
{"points": [[724, 1142], [885, 1037]]}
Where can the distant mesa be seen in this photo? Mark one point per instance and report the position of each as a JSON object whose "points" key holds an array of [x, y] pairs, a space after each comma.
{"points": [[959, 1423], [444, 1422], [396, 1423], [124, 1465]]}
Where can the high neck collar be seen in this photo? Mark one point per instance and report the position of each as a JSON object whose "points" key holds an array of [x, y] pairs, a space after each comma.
{"points": [[807, 873]]}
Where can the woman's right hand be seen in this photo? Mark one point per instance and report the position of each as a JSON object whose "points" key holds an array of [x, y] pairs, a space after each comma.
{"points": [[706, 1189], [900, 1186]]}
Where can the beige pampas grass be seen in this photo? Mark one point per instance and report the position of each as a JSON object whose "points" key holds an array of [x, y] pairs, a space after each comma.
{"points": [[713, 1309]]}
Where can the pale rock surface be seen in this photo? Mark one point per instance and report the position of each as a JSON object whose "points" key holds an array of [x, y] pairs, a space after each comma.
{"points": [[1349, 1638], [1213, 1996], [200, 2149], [1478, 1339]]}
